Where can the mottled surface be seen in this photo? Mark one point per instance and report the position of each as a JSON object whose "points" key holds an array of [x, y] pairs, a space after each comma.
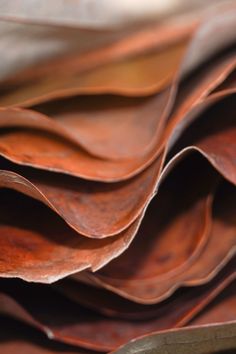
{"points": [[66, 321]]}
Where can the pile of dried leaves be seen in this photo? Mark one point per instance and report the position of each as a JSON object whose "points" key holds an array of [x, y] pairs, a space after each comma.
{"points": [[118, 198]]}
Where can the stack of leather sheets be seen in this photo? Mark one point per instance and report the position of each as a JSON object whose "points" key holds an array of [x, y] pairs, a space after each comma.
{"points": [[118, 198]]}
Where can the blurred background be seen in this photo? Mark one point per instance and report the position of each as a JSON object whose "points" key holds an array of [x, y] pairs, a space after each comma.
{"points": [[32, 31]]}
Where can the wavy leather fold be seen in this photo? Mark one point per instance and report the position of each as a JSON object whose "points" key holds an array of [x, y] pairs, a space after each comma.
{"points": [[117, 186], [222, 17], [65, 321], [112, 305], [15, 181], [146, 183], [94, 209], [72, 136], [45, 252], [222, 309], [126, 76], [164, 225], [214, 133], [110, 133], [216, 253]]}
